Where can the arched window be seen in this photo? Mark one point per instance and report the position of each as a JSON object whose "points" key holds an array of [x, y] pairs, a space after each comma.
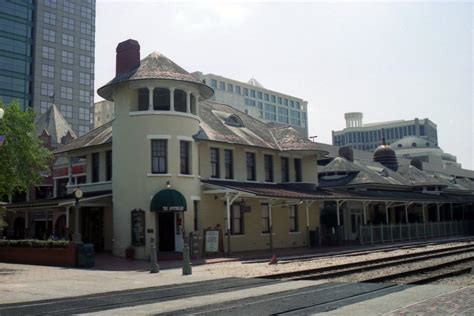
{"points": [[234, 120], [193, 104], [413, 144], [161, 99], [179, 100], [427, 144], [143, 99]]}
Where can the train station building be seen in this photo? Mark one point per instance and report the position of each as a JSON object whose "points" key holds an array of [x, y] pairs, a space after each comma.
{"points": [[173, 165]]}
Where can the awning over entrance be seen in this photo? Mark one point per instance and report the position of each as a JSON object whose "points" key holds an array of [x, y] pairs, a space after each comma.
{"points": [[168, 200]]}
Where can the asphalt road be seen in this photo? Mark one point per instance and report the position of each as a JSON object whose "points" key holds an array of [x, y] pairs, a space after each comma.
{"points": [[302, 301]]}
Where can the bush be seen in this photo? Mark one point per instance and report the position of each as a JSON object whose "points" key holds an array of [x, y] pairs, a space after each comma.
{"points": [[33, 243]]}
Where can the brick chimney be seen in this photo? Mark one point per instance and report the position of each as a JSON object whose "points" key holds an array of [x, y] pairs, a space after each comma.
{"points": [[128, 56]]}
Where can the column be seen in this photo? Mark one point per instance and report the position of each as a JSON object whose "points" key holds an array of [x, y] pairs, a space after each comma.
{"points": [[150, 98], [423, 211], [227, 196], [438, 217], [270, 226], [451, 210], [406, 213], [27, 236], [188, 102], [172, 99], [337, 214], [307, 224], [386, 212], [364, 208], [67, 222]]}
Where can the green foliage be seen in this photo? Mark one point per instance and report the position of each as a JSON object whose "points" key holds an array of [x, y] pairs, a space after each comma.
{"points": [[3, 222], [22, 156], [33, 243]]}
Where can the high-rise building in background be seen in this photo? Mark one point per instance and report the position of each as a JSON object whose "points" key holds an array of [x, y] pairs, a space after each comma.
{"points": [[254, 99], [47, 57], [16, 47], [369, 136]]}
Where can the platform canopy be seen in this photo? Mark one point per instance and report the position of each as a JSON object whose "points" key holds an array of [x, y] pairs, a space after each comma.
{"points": [[168, 200]]}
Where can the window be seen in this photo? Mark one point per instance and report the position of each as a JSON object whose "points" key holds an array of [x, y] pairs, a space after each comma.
{"points": [[252, 93], [85, 61], [84, 96], [298, 171], [249, 102], [228, 164], [68, 7], [222, 85], [143, 99], [250, 159], [66, 93], [83, 129], [295, 118], [49, 18], [68, 40], [280, 100], [95, 167], [236, 221], [260, 109], [292, 104], [47, 89], [246, 92], [84, 114], [68, 23], [180, 101], [86, 45], [286, 102], [67, 57], [66, 110], [422, 130], [184, 157], [48, 52], [230, 87], [66, 75], [270, 112], [47, 71], [268, 159], [298, 105], [196, 215], [161, 99], [213, 83], [50, 3], [108, 165], [159, 162], [273, 98], [259, 95], [86, 28], [45, 106], [282, 115], [215, 163], [49, 35], [285, 171], [84, 78], [267, 97], [293, 213], [86, 12], [265, 219], [237, 89]]}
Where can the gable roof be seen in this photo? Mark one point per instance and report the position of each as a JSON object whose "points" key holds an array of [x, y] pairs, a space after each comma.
{"points": [[155, 66], [54, 123], [99, 136]]}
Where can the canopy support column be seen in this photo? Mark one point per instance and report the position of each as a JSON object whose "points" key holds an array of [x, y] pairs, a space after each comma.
{"points": [[438, 217], [423, 211], [386, 213], [364, 211], [307, 224], [270, 226], [67, 222], [337, 213], [451, 210]]}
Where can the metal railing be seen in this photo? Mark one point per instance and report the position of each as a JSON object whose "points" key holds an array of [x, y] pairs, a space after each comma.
{"points": [[371, 234]]}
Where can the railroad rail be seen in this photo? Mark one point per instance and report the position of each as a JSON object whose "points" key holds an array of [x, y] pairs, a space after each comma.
{"points": [[367, 265]]}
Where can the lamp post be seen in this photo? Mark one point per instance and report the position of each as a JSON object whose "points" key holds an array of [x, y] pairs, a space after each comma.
{"points": [[77, 238]]}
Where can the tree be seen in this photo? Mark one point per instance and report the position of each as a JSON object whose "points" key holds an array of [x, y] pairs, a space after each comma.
{"points": [[22, 156]]}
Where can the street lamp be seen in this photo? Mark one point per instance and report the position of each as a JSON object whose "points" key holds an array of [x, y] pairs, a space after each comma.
{"points": [[76, 238]]}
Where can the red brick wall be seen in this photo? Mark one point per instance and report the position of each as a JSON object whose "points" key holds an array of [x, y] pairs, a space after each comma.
{"points": [[64, 257]]}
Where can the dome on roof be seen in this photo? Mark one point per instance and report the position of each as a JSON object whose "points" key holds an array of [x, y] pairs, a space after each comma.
{"points": [[413, 142], [385, 155]]}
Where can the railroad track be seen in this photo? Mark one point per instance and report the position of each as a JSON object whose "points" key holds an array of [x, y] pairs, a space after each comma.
{"points": [[428, 274], [368, 265]]}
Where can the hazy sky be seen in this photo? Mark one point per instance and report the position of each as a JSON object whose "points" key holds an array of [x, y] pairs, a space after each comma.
{"points": [[389, 60]]}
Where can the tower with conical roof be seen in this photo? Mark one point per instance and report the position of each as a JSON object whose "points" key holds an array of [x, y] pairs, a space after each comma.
{"points": [[156, 116]]}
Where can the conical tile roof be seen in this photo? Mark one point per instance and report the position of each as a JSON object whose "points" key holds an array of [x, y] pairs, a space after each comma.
{"points": [[156, 66]]}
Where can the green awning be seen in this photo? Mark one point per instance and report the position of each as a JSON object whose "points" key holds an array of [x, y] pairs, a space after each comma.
{"points": [[168, 200]]}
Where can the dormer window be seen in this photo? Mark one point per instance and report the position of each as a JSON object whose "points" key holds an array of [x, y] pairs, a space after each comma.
{"points": [[234, 121]]}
